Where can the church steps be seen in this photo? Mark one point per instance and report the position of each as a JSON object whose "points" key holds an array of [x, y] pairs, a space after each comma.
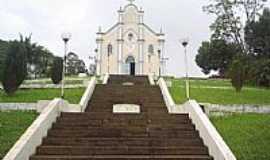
{"points": [[100, 134]]}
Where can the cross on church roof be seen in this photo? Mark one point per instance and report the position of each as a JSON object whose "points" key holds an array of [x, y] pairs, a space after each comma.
{"points": [[131, 1]]}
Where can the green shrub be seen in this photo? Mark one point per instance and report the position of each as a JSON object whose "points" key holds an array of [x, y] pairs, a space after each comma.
{"points": [[262, 73], [57, 69], [237, 74]]}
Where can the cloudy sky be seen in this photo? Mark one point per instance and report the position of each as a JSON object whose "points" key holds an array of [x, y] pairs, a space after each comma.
{"points": [[47, 19]]}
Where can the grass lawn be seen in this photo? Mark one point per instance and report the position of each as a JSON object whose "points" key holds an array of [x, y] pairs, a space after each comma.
{"points": [[219, 92], [33, 95], [12, 126], [248, 135]]}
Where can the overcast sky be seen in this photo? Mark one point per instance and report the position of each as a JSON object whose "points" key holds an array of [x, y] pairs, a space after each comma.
{"points": [[47, 19]]}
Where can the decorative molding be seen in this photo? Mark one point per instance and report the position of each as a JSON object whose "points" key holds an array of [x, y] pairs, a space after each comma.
{"points": [[120, 40], [99, 40]]}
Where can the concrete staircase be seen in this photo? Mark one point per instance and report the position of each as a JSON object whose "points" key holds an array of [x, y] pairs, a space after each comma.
{"points": [[100, 134]]}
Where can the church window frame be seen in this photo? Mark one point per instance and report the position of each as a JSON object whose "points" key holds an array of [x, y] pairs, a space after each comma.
{"points": [[130, 36], [151, 49], [110, 49]]}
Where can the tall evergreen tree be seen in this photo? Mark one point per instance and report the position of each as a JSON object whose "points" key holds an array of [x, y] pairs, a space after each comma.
{"points": [[3, 53], [57, 69], [15, 67]]}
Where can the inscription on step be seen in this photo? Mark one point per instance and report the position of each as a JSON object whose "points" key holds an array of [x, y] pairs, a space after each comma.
{"points": [[128, 84], [126, 108]]}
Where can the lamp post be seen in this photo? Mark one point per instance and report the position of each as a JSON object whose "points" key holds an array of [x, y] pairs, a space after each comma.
{"points": [[65, 37], [93, 59], [184, 43]]}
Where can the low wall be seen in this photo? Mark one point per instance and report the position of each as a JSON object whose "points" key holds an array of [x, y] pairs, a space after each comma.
{"points": [[171, 106], [151, 79], [32, 138], [52, 86], [166, 95], [39, 107], [17, 106], [106, 79], [88, 94], [212, 139], [211, 109]]}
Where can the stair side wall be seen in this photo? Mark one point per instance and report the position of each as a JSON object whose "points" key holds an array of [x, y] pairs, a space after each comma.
{"points": [[32, 138]]}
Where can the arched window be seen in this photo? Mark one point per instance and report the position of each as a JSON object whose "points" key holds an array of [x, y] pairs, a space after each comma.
{"points": [[151, 49], [130, 36], [110, 49]]}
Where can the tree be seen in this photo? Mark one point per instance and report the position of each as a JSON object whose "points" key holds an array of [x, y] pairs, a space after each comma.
{"points": [[3, 52], [257, 35], [57, 70], [216, 55], [237, 74], [259, 72], [230, 22], [39, 59], [74, 64], [15, 67]]}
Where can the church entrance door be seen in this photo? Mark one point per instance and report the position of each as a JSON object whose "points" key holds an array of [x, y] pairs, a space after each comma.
{"points": [[130, 62], [132, 69]]}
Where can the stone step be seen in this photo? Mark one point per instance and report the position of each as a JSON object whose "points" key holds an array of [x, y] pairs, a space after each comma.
{"points": [[123, 157], [111, 116], [110, 142], [153, 150], [122, 134], [114, 122]]}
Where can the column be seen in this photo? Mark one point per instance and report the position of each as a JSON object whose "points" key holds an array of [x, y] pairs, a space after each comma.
{"points": [[162, 55], [141, 44], [99, 42], [99, 57], [120, 42]]}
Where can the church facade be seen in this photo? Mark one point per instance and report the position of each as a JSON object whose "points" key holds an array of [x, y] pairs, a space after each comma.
{"points": [[130, 47]]}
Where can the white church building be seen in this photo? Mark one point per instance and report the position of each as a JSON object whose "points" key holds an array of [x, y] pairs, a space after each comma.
{"points": [[130, 46]]}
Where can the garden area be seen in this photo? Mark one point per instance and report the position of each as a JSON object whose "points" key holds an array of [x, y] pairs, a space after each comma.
{"points": [[12, 126], [218, 92], [248, 135], [34, 95]]}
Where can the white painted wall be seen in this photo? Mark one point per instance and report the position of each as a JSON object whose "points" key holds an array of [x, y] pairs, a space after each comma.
{"points": [[212, 139], [106, 78], [245, 108], [32, 138], [88, 94], [171, 106], [151, 79]]}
